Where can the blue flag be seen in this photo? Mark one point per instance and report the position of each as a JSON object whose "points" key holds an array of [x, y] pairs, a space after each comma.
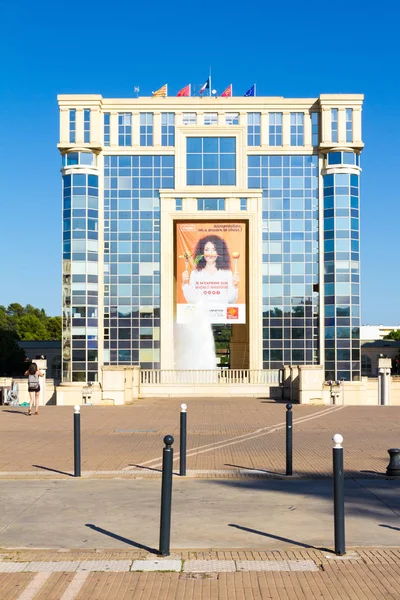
{"points": [[251, 91]]}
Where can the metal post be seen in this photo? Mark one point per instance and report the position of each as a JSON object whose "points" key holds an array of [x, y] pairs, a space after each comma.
{"points": [[77, 441], [338, 494], [289, 440], [166, 495], [182, 453]]}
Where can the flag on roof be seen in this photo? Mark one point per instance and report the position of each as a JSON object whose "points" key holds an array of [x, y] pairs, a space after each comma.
{"points": [[163, 91], [205, 85], [228, 92], [186, 91], [251, 91]]}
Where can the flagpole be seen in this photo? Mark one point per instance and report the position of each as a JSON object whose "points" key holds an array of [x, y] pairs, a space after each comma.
{"points": [[210, 82], [255, 89]]}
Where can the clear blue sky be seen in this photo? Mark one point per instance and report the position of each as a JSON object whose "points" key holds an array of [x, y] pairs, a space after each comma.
{"points": [[292, 49]]}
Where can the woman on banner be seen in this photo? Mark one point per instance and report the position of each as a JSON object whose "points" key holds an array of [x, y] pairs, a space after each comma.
{"points": [[212, 280]]}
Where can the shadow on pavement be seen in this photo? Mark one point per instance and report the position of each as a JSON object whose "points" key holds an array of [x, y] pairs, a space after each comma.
{"points": [[389, 527], [278, 537], [17, 412], [53, 470], [146, 468], [115, 536], [257, 470]]}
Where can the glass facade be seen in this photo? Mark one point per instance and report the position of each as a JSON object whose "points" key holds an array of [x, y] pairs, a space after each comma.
{"points": [[342, 275], [132, 257], [306, 201], [334, 125], [211, 161], [290, 257], [86, 126], [275, 129], [80, 277], [254, 129], [167, 129], [297, 129]]}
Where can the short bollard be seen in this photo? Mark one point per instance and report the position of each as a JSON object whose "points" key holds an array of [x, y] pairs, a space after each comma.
{"points": [[338, 494], [166, 495], [182, 452], [393, 468], [77, 441], [289, 440]]}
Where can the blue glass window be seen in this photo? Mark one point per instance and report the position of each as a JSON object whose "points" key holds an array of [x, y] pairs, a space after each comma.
{"points": [[334, 125], [232, 118], [107, 129], [86, 126], [211, 161], [254, 129], [315, 128], [297, 129], [275, 129], [178, 203], [189, 118], [211, 118], [72, 125], [349, 125], [243, 203], [210, 203], [146, 129], [124, 129], [168, 129]]}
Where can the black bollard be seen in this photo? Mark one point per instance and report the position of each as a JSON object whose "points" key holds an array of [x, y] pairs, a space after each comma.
{"points": [[77, 441], [338, 494], [182, 453], [393, 468], [289, 440], [166, 495]]}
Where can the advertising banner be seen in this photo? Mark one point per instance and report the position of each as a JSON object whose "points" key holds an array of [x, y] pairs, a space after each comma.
{"points": [[211, 271]]}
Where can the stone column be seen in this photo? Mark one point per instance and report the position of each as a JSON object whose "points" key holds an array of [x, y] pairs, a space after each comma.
{"points": [[311, 382], [42, 366], [294, 383], [384, 380], [286, 382]]}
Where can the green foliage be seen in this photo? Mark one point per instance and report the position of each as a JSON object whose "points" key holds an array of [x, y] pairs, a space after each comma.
{"points": [[29, 323], [393, 335], [11, 355]]}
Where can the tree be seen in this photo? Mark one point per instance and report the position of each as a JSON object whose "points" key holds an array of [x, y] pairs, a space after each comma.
{"points": [[393, 335], [11, 355], [54, 328], [30, 327]]}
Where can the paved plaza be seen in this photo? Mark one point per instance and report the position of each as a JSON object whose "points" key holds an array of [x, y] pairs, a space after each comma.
{"points": [[240, 528]]}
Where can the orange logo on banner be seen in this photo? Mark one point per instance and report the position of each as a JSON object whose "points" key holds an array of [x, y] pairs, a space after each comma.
{"points": [[232, 312]]}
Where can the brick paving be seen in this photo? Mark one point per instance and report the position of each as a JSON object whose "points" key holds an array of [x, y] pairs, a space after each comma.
{"points": [[367, 574], [226, 437]]}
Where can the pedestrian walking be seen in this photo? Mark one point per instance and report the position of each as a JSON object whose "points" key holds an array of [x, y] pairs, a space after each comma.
{"points": [[33, 387]]}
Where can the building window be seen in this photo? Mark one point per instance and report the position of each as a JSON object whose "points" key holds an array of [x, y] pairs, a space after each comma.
{"points": [[178, 203], [297, 129], [210, 203], [189, 118], [167, 129], [243, 203], [232, 118], [107, 129], [315, 128], [210, 119], [343, 158], [72, 125], [334, 125], [86, 126], [124, 129], [349, 125], [78, 158], [254, 129], [146, 129], [211, 161], [275, 129]]}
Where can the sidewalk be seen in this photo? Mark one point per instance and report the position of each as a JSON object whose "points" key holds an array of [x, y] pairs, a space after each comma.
{"points": [[208, 575]]}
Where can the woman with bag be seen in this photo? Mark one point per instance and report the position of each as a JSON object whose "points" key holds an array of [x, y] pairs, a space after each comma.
{"points": [[33, 387]]}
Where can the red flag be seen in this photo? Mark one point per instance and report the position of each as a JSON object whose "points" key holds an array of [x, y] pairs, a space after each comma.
{"points": [[228, 92], [184, 91]]}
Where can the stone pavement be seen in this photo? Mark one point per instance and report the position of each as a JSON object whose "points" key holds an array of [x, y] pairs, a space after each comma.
{"points": [[226, 438], [208, 575], [240, 528]]}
